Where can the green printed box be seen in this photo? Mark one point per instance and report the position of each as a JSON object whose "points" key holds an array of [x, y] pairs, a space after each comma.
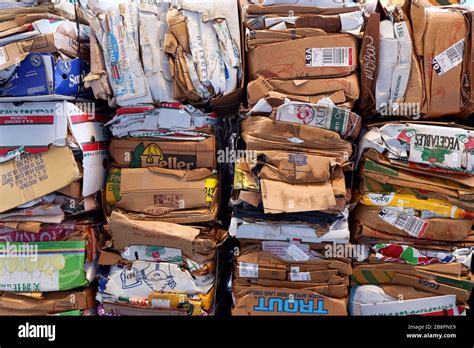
{"points": [[42, 266]]}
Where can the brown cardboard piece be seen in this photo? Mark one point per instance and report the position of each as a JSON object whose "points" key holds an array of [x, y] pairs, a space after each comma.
{"points": [[419, 169], [170, 154], [333, 290], [22, 19], [253, 9], [437, 228], [279, 197], [342, 90], [295, 167], [258, 300], [156, 191], [449, 93], [261, 133], [288, 60], [186, 216], [443, 92], [364, 234], [46, 43], [48, 303], [384, 173], [271, 262], [383, 273], [198, 244], [50, 171], [73, 190], [256, 38], [430, 286], [369, 56]]}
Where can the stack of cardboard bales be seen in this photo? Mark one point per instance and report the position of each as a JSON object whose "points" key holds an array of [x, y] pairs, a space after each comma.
{"points": [[162, 198], [290, 205], [53, 150], [415, 207], [175, 63]]}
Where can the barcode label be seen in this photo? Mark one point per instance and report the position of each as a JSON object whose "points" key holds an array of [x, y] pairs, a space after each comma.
{"points": [[300, 276], [248, 270], [327, 57], [412, 225], [449, 58], [3, 56]]}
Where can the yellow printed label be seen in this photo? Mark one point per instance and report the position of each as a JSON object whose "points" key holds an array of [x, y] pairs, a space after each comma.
{"points": [[406, 201], [211, 185]]}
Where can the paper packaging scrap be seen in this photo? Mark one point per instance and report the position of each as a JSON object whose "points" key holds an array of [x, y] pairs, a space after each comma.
{"points": [[370, 300], [292, 196], [55, 269], [443, 60], [275, 301], [49, 303], [32, 127], [156, 122], [406, 66], [52, 164], [321, 56], [342, 91], [172, 75], [170, 154], [31, 176], [324, 114], [188, 51], [40, 74], [156, 191], [415, 213]]}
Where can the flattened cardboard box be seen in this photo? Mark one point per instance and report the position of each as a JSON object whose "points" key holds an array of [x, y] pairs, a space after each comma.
{"points": [[444, 58], [141, 153], [279, 197], [295, 167], [304, 58], [285, 302], [263, 133], [33, 126], [257, 259], [383, 273], [48, 303], [387, 174], [198, 244], [47, 43], [443, 229], [31, 176], [157, 191], [333, 290], [339, 90]]}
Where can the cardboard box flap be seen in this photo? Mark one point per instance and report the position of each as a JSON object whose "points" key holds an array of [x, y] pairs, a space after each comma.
{"points": [[467, 181], [253, 9], [268, 260], [265, 133], [38, 175], [269, 62], [170, 154], [186, 175], [48, 303], [30, 127], [279, 197], [436, 229], [335, 290], [109, 258], [294, 167], [197, 244], [256, 301], [431, 286]]}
